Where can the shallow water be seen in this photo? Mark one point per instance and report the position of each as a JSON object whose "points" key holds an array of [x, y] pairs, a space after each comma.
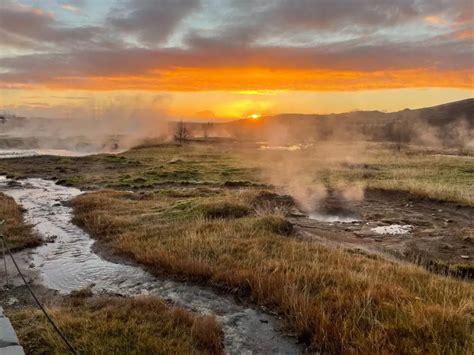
{"points": [[332, 218], [69, 263], [280, 147], [393, 229], [18, 153]]}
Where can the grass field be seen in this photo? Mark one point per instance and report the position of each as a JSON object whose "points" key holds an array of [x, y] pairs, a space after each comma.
{"points": [[145, 168], [334, 300], [107, 325], [18, 234], [425, 173], [186, 217]]}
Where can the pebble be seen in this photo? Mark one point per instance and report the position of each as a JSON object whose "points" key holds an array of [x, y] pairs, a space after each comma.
{"points": [[11, 301]]}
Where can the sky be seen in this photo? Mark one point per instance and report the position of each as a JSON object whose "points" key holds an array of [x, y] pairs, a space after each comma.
{"points": [[228, 59]]}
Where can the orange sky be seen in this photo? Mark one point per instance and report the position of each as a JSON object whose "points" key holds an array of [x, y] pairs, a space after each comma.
{"points": [[207, 59], [248, 79]]}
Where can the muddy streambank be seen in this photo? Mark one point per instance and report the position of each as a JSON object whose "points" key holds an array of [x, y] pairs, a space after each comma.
{"points": [[435, 234], [67, 262]]}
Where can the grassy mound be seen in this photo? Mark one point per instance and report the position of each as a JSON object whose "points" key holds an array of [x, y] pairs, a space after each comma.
{"points": [[18, 234], [223, 210], [118, 326], [275, 224], [336, 301]]}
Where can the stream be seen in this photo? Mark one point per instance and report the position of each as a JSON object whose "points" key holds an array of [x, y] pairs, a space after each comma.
{"points": [[69, 263]]}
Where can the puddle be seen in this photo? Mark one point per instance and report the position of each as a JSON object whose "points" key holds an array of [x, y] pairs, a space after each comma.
{"points": [[284, 147], [332, 218], [19, 153], [279, 147], [393, 229], [69, 263]]}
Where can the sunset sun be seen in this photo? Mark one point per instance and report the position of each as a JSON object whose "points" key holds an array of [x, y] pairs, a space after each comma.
{"points": [[254, 116]]}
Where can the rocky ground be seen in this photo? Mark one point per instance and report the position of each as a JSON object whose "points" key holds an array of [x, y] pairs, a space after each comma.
{"points": [[435, 234]]}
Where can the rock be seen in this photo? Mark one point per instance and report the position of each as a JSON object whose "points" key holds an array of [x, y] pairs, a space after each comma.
{"points": [[12, 350], [363, 234], [296, 213], [7, 334], [51, 239], [11, 301]]}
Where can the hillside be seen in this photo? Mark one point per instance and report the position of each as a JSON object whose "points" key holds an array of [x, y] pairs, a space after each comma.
{"points": [[447, 124]]}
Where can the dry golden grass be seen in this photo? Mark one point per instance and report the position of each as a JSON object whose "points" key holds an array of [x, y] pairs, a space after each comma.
{"points": [[336, 301], [118, 326], [18, 234], [448, 178]]}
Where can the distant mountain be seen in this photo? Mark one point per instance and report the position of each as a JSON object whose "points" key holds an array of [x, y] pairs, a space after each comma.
{"points": [[447, 124]]}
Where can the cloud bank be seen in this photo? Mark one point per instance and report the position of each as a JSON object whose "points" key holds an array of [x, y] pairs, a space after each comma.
{"points": [[189, 45]]}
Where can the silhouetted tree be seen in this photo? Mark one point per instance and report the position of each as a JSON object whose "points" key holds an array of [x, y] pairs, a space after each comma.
{"points": [[400, 133], [206, 129], [181, 132]]}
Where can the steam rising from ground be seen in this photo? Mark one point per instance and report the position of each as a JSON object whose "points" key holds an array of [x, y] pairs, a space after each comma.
{"points": [[87, 135], [302, 154], [310, 175]]}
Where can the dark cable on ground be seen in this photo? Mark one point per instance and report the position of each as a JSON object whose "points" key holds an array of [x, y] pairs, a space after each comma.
{"points": [[56, 328]]}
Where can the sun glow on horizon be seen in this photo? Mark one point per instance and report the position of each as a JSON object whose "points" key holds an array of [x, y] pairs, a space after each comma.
{"points": [[254, 116]]}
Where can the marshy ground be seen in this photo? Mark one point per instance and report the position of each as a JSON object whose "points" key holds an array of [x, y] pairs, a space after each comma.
{"points": [[214, 214]]}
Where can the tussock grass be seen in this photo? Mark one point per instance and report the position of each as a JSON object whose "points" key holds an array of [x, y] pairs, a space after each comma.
{"points": [[223, 209], [118, 326], [336, 301], [19, 235]]}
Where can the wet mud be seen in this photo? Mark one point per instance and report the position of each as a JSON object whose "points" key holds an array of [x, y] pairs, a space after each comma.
{"points": [[434, 234]]}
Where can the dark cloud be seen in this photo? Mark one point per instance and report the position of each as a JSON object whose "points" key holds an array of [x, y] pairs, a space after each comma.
{"points": [[37, 68], [248, 21], [93, 51], [151, 21], [27, 26]]}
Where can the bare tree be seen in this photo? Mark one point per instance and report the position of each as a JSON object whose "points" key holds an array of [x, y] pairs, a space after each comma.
{"points": [[206, 129], [400, 134], [181, 132]]}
